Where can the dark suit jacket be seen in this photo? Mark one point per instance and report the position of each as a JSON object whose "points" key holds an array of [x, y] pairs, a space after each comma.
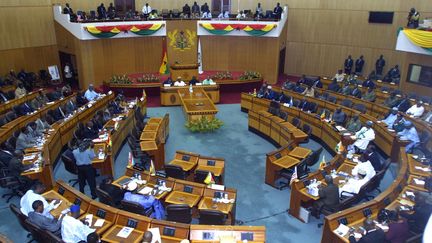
{"points": [[52, 225], [304, 105], [375, 236], [404, 105], [16, 167], [375, 161], [90, 133], [329, 195], [420, 216], [356, 93], [115, 192], [25, 108]]}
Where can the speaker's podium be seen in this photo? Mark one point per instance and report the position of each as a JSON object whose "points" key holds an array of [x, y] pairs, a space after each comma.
{"points": [[185, 71]]}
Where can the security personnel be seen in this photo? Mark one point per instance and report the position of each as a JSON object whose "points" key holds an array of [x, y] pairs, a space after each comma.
{"points": [[84, 155]]}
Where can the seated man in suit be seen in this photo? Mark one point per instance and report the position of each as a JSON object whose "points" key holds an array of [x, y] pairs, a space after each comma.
{"points": [[370, 95], [72, 229], [90, 131], [269, 93], [33, 131], [371, 234], [409, 134], [16, 167], [391, 118], [392, 100], [305, 105], [333, 86], [25, 109], [419, 215], [354, 124], [81, 99], [356, 92], [298, 88], [393, 75], [168, 81], [404, 104], [328, 196], [339, 117], [368, 83], [346, 89], [38, 218], [3, 97], [193, 81], [42, 124], [371, 155], [115, 192], [56, 94], [24, 140]]}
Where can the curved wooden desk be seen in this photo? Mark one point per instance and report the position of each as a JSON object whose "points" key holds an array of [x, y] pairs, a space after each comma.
{"points": [[170, 96], [8, 105]]}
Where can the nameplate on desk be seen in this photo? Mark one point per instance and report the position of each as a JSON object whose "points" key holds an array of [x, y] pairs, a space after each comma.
{"points": [[101, 213], [167, 85], [161, 174], [386, 201], [160, 182], [367, 212], [343, 221], [218, 195], [211, 162], [187, 189], [186, 157], [168, 231], [278, 156], [61, 190], [248, 236], [132, 223], [208, 235]]}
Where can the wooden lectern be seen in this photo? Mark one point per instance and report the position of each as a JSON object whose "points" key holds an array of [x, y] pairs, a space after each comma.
{"points": [[185, 71]]}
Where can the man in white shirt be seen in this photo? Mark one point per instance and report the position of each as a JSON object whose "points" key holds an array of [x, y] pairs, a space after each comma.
{"points": [[208, 81], [179, 82], [409, 134], [90, 94], [364, 136], [391, 118], [366, 166], [241, 15], [146, 9], [224, 15], [353, 185], [339, 76], [72, 229], [416, 110], [33, 195]]}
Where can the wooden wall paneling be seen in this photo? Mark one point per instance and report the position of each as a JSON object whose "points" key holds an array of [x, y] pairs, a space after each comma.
{"points": [[412, 58], [26, 27], [31, 59], [24, 3], [83, 5]]}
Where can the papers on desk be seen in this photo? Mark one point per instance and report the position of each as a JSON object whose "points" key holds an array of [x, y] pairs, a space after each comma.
{"points": [[167, 85], [346, 134], [353, 137], [99, 222], [406, 202], [425, 169], [54, 206], [156, 235], [391, 130], [50, 103], [342, 230], [125, 232], [410, 194], [146, 190], [341, 128], [89, 219], [418, 181], [355, 159]]}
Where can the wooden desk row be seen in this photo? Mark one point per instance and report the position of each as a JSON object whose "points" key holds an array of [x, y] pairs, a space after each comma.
{"points": [[386, 140], [170, 96], [114, 220], [191, 162], [394, 196], [153, 139], [8, 105], [56, 139], [196, 195]]}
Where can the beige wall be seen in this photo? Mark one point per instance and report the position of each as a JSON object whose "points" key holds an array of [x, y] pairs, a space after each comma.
{"points": [[321, 33]]}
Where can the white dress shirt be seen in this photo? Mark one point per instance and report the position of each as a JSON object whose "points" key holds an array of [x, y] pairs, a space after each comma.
{"points": [[146, 9], [206, 15], [353, 185], [73, 230], [91, 95], [367, 167], [415, 111], [179, 83], [339, 77], [364, 136], [27, 200]]}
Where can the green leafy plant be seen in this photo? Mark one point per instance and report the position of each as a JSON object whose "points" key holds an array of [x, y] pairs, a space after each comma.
{"points": [[204, 125], [250, 75], [120, 79]]}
